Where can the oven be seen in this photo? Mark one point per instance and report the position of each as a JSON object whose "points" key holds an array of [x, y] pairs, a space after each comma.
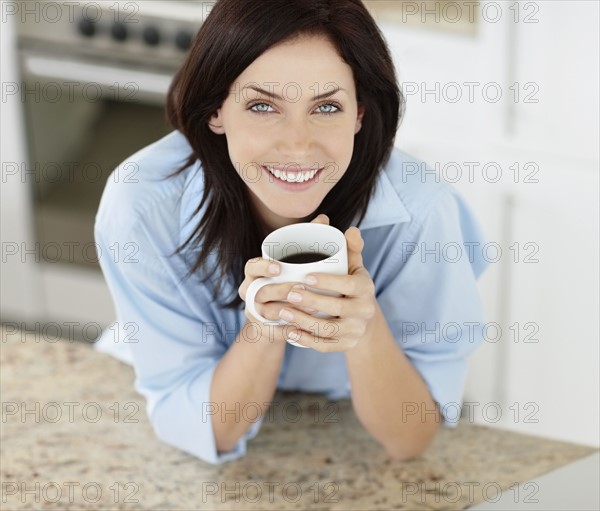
{"points": [[93, 77]]}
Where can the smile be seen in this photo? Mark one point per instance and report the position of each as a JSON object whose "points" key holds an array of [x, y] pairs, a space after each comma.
{"points": [[292, 176]]}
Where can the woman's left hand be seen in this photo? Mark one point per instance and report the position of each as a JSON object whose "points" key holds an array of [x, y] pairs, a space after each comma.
{"points": [[352, 312]]}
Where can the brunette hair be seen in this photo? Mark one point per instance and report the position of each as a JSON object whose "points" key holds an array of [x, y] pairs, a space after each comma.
{"points": [[235, 33]]}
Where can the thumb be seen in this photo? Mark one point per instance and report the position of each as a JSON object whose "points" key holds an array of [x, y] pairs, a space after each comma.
{"points": [[321, 219], [355, 244]]}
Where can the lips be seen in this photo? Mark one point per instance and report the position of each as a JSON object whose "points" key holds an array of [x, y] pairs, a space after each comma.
{"points": [[290, 168], [292, 176], [291, 185]]}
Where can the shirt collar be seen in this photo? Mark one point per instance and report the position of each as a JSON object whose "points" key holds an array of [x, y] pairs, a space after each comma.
{"points": [[385, 207]]}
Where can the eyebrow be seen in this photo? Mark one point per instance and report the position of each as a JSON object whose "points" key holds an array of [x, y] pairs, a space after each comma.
{"points": [[275, 96]]}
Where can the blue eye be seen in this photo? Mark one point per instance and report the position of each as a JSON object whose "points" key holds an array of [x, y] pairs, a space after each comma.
{"points": [[257, 111], [334, 105], [263, 112]]}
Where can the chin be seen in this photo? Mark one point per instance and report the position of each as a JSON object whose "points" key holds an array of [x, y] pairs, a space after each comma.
{"points": [[302, 210], [296, 218]]}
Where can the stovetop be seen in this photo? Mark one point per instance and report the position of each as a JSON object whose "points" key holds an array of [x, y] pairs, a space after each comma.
{"points": [[159, 32]]}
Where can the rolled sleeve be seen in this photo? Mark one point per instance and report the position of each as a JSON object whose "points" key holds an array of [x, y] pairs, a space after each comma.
{"points": [[171, 343], [190, 404], [431, 301]]}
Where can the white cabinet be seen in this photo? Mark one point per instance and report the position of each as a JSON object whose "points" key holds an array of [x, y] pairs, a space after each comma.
{"points": [[543, 136], [556, 369], [556, 292]]}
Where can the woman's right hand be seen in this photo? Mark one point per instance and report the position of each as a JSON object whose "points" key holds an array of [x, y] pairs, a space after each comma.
{"points": [[270, 298]]}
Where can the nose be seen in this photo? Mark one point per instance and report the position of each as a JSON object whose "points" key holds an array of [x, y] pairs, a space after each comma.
{"points": [[295, 139]]}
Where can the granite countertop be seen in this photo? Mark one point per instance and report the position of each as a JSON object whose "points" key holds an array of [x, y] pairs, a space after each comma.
{"points": [[75, 436]]}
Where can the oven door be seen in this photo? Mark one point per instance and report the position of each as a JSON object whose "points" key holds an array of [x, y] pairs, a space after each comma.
{"points": [[83, 117]]}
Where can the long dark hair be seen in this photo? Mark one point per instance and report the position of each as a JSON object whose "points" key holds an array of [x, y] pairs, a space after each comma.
{"points": [[236, 33]]}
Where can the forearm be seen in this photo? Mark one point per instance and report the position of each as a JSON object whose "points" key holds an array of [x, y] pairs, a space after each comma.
{"points": [[247, 373], [389, 396]]}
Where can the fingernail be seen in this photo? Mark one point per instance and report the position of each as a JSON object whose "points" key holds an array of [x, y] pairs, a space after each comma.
{"points": [[274, 268], [285, 314], [294, 297], [294, 335], [309, 279]]}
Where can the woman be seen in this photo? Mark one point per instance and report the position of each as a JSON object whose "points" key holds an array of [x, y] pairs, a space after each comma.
{"points": [[270, 90]]}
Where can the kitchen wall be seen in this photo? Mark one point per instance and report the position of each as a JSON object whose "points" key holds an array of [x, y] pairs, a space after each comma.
{"points": [[538, 199]]}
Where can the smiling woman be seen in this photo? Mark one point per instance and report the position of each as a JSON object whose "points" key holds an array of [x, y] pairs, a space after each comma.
{"points": [[299, 86], [294, 137], [285, 111]]}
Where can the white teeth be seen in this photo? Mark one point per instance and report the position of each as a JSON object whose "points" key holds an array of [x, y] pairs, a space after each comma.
{"points": [[292, 177]]}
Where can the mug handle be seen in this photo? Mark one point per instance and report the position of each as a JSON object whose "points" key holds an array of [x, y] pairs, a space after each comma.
{"points": [[251, 292]]}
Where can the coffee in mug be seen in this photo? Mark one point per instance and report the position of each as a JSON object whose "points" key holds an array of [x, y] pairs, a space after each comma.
{"points": [[304, 257], [301, 249]]}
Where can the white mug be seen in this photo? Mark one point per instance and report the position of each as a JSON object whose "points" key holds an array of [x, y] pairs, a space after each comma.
{"points": [[301, 238]]}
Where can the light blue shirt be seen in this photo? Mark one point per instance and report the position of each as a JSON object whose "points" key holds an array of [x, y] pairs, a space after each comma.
{"points": [[423, 250]]}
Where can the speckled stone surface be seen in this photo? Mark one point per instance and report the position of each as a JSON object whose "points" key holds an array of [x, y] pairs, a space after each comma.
{"points": [[75, 436]]}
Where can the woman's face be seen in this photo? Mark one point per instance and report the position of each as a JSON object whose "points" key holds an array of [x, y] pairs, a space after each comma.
{"points": [[293, 131]]}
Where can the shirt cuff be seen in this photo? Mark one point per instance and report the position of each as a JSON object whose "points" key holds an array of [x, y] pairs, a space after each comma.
{"points": [[183, 419], [113, 342], [445, 379]]}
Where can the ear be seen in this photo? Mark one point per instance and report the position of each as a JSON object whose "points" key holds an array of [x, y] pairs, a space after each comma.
{"points": [[216, 123], [361, 114]]}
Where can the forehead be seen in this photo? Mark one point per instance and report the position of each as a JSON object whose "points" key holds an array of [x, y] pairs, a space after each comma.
{"points": [[306, 61]]}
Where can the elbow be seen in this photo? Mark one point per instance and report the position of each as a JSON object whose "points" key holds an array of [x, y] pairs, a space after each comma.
{"points": [[403, 454], [225, 445], [225, 436], [408, 450]]}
